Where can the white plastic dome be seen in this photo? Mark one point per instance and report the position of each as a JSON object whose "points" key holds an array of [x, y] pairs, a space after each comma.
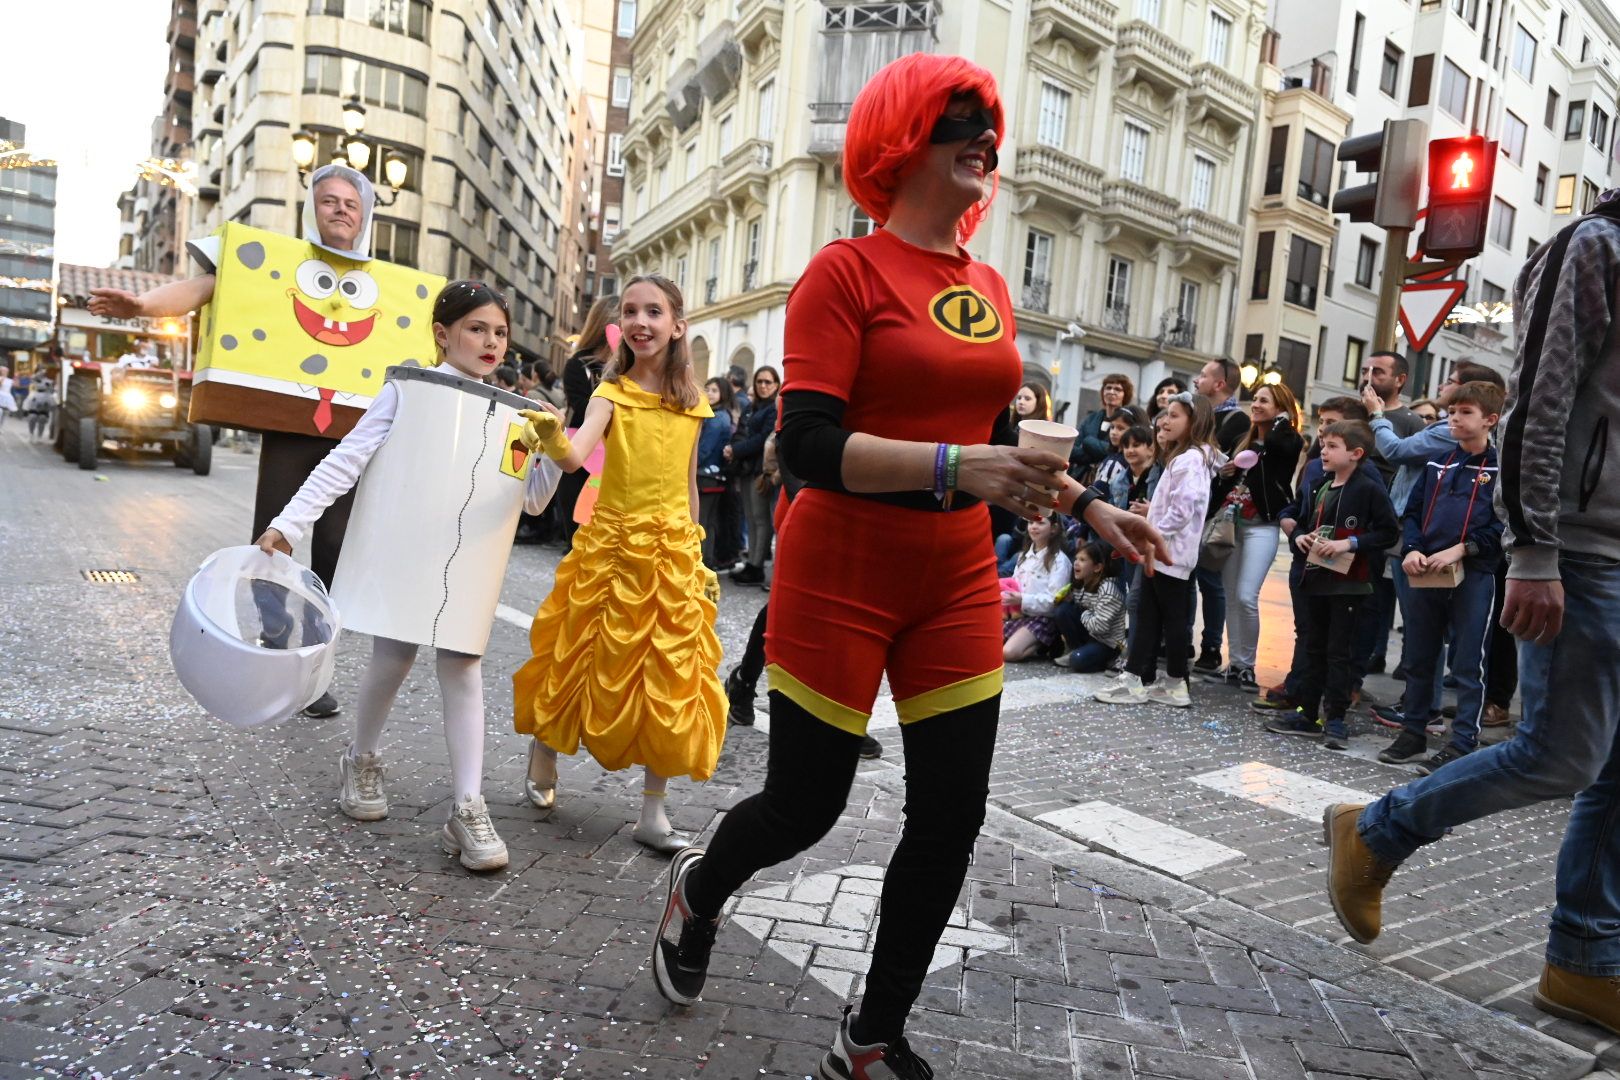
{"points": [[255, 637]]}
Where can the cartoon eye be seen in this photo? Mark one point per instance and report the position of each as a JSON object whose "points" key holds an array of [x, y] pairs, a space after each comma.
{"points": [[316, 279], [358, 288]]}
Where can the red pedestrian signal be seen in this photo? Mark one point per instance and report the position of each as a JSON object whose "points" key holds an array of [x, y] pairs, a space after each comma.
{"points": [[1461, 173]]}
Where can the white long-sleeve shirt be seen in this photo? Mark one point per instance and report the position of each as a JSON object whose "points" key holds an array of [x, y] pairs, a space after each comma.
{"points": [[340, 470], [1037, 585]]}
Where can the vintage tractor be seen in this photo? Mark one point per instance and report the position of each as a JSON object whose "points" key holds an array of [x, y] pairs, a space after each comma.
{"points": [[133, 407]]}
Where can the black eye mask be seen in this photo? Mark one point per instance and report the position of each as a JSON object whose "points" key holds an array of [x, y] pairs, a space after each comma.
{"points": [[949, 129]]}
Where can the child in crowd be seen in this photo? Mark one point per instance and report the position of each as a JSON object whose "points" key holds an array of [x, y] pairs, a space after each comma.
{"points": [[1451, 544], [1113, 465], [1091, 616], [1285, 696], [1346, 520], [1133, 490], [624, 647], [470, 330], [1042, 570], [1186, 443]]}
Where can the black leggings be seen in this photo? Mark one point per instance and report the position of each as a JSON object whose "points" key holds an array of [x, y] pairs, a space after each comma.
{"points": [[1161, 612], [752, 664], [807, 782]]}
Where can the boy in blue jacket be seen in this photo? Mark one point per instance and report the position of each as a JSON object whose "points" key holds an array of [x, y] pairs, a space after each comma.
{"points": [[1451, 521]]}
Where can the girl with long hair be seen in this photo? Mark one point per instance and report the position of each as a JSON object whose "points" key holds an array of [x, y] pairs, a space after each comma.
{"points": [[1188, 453], [1257, 494], [581, 372], [1092, 616], [470, 333], [624, 648], [1041, 572], [900, 354]]}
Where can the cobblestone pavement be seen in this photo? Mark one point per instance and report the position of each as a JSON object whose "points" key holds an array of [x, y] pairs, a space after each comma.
{"points": [[179, 899]]}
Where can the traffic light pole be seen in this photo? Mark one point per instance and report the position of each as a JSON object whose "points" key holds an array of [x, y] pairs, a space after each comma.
{"points": [[1396, 242]]}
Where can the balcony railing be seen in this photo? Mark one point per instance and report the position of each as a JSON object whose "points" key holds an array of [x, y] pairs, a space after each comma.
{"points": [[1183, 334], [1037, 294], [1046, 170], [1302, 293], [1087, 23], [828, 119], [1214, 89], [1145, 51], [1117, 317], [1148, 210]]}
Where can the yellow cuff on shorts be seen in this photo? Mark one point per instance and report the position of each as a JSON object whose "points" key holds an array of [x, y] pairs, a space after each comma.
{"points": [[958, 695], [818, 705]]}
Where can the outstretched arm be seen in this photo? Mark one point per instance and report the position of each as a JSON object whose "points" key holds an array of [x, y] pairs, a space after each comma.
{"points": [[175, 298]]}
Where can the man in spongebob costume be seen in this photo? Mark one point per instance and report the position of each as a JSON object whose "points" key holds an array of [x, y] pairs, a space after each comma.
{"points": [[294, 339]]}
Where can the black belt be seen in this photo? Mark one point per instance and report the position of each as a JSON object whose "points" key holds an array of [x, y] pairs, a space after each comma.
{"points": [[907, 500]]}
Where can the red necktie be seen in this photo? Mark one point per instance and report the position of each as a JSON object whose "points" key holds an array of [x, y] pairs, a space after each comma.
{"points": [[323, 412]]}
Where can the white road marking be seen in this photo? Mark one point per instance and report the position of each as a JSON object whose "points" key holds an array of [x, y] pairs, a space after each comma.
{"points": [[1016, 694], [1280, 789], [514, 616], [1129, 835]]}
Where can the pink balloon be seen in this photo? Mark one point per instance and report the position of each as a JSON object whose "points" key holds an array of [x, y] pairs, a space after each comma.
{"points": [[1246, 460], [613, 335]]}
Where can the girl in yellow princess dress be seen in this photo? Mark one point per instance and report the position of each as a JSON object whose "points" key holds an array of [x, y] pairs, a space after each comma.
{"points": [[625, 653]]}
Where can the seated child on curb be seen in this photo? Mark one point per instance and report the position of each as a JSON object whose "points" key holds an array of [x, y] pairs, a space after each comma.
{"points": [[1091, 616], [1041, 571]]}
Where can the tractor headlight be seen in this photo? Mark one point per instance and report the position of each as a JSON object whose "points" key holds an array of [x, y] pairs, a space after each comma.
{"points": [[168, 401], [132, 399]]}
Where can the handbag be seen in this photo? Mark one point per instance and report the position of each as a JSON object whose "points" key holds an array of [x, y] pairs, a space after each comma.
{"points": [[1219, 539]]}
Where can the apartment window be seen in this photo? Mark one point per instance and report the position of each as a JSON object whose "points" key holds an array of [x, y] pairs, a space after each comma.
{"points": [[1389, 76], [689, 162], [727, 134], [680, 272], [1513, 133], [1148, 11], [1563, 24], [1054, 120], [1491, 293], [1277, 160], [860, 222], [1417, 91], [1453, 90], [1203, 182], [1366, 262], [400, 16], [627, 18], [1355, 351], [714, 263], [486, 146], [641, 200], [1353, 76], [612, 216], [1541, 184], [1037, 270], [1187, 309], [1133, 152], [1575, 122], [767, 106], [1586, 49], [326, 7], [621, 88], [615, 154], [1589, 196], [1294, 360], [1264, 246], [1117, 296], [1600, 127], [1220, 33], [1524, 53], [1304, 272], [1502, 218], [1551, 118], [1316, 169]]}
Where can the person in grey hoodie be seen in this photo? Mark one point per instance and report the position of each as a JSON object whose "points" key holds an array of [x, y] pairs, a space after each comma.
{"points": [[337, 217], [1563, 604]]}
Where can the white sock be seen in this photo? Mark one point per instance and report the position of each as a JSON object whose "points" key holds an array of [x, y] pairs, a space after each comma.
{"points": [[461, 682], [653, 818], [390, 662]]}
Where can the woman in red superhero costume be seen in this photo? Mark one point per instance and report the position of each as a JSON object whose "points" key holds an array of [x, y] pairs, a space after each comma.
{"points": [[900, 355]]}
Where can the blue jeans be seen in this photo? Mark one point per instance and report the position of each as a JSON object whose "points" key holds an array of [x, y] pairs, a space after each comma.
{"points": [[1007, 547], [1566, 745], [1468, 611], [1212, 598]]}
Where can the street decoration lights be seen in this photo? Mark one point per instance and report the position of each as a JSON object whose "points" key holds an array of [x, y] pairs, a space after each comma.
{"points": [[353, 151]]}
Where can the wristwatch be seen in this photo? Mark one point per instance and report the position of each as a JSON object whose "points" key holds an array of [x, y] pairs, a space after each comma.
{"points": [[1086, 498]]}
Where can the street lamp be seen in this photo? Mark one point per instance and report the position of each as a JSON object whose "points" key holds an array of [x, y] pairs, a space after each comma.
{"points": [[353, 151]]}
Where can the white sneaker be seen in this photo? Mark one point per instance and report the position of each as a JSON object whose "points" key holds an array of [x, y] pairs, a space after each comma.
{"points": [[360, 791], [471, 835], [1169, 691], [1127, 689]]}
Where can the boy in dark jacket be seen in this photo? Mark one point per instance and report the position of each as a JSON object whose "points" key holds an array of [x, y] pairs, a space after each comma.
{"points": [[1347, 513], [1450, 520]]}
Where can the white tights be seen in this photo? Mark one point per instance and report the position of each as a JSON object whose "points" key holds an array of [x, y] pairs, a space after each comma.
{"points": [[461, 682]]}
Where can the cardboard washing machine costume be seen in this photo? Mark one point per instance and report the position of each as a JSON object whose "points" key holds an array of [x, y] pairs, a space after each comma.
{"points": [[432, 438]]}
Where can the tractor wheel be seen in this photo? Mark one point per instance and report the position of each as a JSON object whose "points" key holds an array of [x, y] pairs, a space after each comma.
{"points": [[89, 442], [83, 401], [201, 450]]}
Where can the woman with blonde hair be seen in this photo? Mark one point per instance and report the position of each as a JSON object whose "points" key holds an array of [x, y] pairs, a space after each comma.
{"points": [[1256, 490]]}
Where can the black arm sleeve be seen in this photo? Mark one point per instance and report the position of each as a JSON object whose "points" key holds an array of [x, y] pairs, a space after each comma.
{"points": [[577, 389], [811, 441]]}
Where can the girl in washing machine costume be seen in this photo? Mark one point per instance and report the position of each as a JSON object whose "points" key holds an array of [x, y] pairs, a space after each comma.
{"points": [[625, 653], [470, 329]]}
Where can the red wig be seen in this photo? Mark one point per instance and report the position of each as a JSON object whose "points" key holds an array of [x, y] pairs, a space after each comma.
{"points": [[892, 118]]}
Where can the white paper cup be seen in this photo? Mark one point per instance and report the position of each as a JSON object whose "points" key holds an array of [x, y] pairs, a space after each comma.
{"points": [[1052, 437]]}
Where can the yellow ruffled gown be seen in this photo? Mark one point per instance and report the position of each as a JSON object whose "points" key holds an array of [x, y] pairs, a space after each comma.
{"points": [[625, 655]]}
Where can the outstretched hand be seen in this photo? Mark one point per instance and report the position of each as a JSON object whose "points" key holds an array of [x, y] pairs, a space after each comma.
{"points": [[115, 303], [543, 430], [1128, 534]]}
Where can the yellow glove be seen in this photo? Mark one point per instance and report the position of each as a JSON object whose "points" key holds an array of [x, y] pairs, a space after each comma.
{"points": [[711, 586], [544, 431]]}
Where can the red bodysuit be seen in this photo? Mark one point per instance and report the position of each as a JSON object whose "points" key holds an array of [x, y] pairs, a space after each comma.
{"points": [[920, 346]]}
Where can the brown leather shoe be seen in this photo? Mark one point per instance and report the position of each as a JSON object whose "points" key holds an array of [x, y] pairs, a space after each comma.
{"points": [[1494, 716], [1587, 999], [1356, 877]]}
